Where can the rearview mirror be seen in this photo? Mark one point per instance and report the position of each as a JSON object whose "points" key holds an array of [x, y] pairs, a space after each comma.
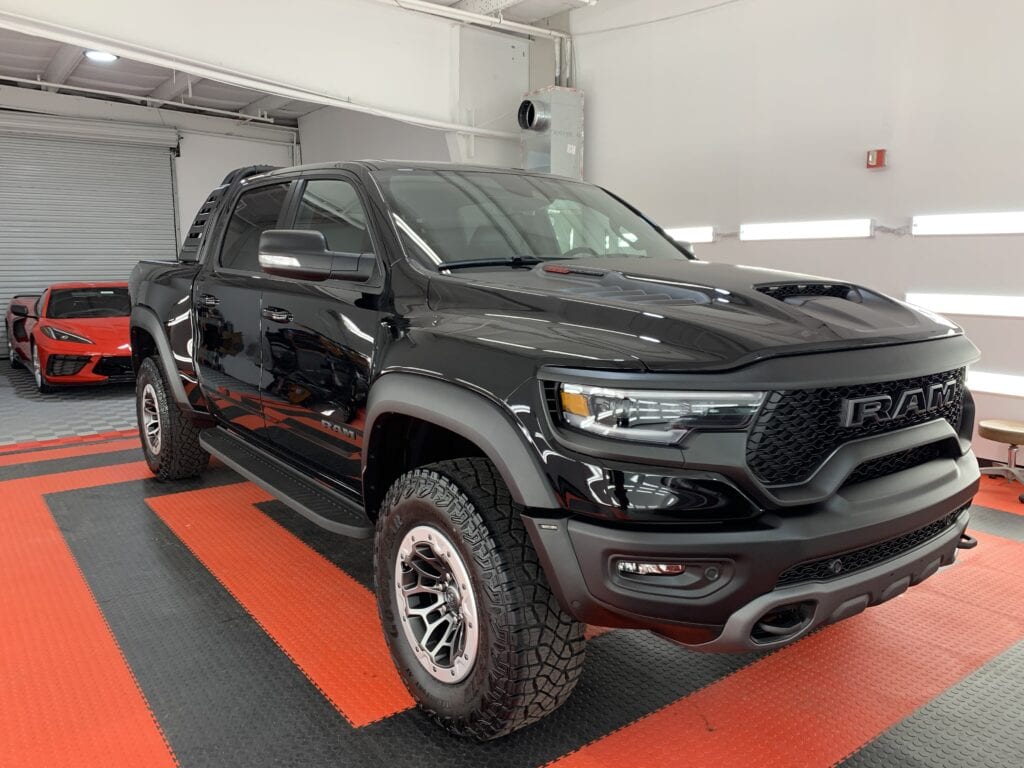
{"points": [[302, 254], [19, 310]]}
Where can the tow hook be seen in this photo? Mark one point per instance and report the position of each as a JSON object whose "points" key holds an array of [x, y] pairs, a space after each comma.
{"points": [[966, 542]]}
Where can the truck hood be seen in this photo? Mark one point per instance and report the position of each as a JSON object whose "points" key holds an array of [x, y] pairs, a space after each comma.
{"points": [[675, 315]]}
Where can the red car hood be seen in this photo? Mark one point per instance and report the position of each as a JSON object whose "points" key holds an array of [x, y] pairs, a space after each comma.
{"points": [[109, 334]]}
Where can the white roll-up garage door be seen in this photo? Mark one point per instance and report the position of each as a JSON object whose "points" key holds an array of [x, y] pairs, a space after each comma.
{"points": [[80, 202]]}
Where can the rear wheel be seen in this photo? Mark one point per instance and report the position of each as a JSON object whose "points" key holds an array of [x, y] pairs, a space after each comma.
{"points": [[12, 356], [170, 441], [474, 630], [37, 372]]}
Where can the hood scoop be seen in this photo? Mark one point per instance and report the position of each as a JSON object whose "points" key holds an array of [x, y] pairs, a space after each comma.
{"points": [[798, 293]]}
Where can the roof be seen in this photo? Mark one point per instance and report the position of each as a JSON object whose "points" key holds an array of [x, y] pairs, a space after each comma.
{"points": [[415, 165]]}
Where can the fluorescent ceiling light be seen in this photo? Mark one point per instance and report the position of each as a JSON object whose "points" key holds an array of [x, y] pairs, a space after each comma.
{"points": [[996, 383], [969, 304], [692, 234], [806, 230], [1007, 223], [101, 56]]}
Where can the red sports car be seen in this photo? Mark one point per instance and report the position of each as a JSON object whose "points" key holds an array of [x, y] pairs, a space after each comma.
{"points": [[74, 333]]}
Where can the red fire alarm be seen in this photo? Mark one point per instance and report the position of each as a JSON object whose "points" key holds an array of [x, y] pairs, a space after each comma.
{"points": [[876, 158]]}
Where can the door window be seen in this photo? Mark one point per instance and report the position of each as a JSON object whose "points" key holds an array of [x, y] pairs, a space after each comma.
{"points": [[332, 206], [255, 212]]}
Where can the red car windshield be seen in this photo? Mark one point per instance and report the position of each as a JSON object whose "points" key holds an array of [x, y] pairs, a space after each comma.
{"points": [[68, 303]]}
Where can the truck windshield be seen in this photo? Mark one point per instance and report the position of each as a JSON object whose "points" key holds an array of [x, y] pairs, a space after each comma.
{"points": [[89, 302], [449, 216]]}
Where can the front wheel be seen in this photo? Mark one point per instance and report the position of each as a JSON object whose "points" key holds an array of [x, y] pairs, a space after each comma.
{"points": [[37, 372], [170, 441], [474, 630]]}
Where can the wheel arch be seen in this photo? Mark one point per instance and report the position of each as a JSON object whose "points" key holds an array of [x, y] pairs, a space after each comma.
{"points": [[463, 420], [149, 339]]}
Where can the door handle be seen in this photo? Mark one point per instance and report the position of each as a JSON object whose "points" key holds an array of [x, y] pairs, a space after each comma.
{"points": [[277, 315], [209, 300]]}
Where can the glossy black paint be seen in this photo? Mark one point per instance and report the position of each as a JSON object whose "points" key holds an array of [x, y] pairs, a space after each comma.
{"points": [[292, 362]]}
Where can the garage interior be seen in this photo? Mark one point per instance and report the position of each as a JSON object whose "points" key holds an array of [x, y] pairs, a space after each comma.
{"points": [[203, 623]]}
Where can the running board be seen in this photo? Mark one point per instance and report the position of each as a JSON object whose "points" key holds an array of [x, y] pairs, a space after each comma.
{"points": [[309, 497]]}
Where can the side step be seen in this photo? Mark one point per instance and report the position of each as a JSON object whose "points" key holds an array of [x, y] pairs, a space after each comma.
{"points": [[307, 496]]}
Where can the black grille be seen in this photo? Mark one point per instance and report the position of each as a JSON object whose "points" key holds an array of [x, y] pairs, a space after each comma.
{"points": [[115, 367], [895, 462], [844, 564], [797, 429], [65, 365], [788, 290]]}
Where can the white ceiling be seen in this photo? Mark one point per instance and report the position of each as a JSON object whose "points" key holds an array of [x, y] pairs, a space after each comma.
{"points": [[65, 68], [527, 11], [38, 59]]}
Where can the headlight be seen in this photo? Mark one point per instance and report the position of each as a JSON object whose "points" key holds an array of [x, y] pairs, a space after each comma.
{"points": [[651, 416], [58, 335]]}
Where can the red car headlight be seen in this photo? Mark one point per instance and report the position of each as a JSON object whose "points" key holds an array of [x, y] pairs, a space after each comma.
{"points": [[59, 334]]}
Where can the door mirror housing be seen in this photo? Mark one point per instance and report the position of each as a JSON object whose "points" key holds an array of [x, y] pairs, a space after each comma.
{"points": [[19, 310], [302, 254]]}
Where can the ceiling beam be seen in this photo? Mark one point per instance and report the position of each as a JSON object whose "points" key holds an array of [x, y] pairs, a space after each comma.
{"points": [[265, 104], [486, 7], [63, 62], [174, 86]]}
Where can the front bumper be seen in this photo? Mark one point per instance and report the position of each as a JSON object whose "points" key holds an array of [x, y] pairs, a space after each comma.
{"points": [[71, 365], [580, 558]]}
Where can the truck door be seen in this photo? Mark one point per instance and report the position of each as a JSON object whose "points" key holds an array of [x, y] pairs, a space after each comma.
{"points": [[318, 341], [226, 297]]}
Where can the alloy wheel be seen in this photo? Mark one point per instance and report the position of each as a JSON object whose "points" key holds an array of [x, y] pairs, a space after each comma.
{"points": [[37, 369], [151, 431], [437, 604]]}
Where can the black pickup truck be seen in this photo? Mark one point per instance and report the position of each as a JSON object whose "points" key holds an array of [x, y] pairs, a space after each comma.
{"points": [[549, 414]]}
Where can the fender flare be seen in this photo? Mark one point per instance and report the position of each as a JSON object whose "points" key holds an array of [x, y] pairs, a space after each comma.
{"points": [[471, 416], [146, 319]]}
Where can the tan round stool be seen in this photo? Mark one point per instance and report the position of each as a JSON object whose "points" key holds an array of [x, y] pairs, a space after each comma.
{"points": [[1011, 433]]}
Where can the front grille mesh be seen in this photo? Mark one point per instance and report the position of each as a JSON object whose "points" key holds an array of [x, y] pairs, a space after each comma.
{"points": [[115, 367], [65, 365], [895, 462], [796, 430], [844, 564]]}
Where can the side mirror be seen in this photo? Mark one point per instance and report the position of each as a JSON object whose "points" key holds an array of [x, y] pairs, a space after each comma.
{"points": [[302, 254], [20, 310]]}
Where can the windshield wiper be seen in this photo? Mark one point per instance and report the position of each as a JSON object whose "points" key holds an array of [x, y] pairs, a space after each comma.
{"points": [[509, 261]]}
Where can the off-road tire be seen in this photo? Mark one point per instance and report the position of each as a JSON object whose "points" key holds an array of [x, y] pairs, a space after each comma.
{"points": [[180, 456], [530, 653]]}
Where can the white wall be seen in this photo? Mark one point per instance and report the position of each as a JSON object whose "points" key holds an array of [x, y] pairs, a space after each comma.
{"points": [[337, 134], [493, 74], [490, 74], [206, 159], [763, 110]]}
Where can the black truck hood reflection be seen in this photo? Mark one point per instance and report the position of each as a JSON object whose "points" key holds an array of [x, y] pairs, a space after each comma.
{"points": [[672, 315]]}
